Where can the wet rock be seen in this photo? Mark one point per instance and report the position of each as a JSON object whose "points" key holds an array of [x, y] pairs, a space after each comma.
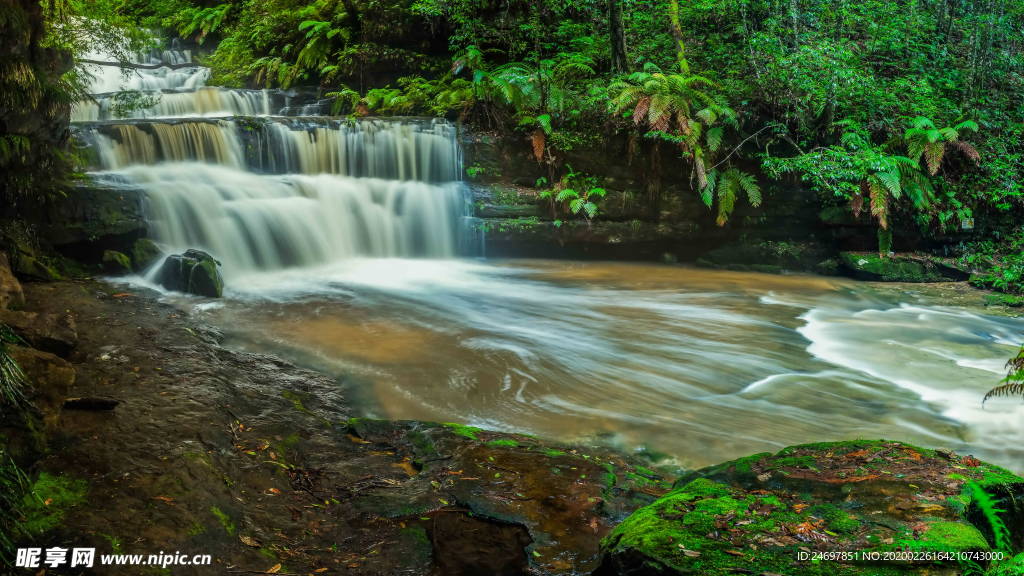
{"points": [[50, 379], [755, 514], [11, 295], [194, 272], [53, 333], [145, 253], [871, 266], [116, 263]]}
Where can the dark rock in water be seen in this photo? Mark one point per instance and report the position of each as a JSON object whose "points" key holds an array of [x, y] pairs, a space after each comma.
{"points": [[53, 333], [145, 253], [753, 515], [194, 272], [116, 263]]}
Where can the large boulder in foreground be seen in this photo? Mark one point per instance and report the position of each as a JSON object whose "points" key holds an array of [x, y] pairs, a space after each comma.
{"points": [[769, 513], [194, 272]]}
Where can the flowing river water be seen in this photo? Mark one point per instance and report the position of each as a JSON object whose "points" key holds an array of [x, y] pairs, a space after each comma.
{"points": [[348, 247]]}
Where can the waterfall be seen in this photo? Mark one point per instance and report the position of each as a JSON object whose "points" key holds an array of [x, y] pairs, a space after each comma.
{"points": [[260, 191], [398, 150]]}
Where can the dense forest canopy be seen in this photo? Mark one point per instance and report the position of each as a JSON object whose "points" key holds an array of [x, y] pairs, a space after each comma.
{"points": [[908, 113]]}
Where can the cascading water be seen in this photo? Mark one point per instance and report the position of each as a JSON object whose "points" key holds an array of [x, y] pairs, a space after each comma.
{"points": [[273, 192]]}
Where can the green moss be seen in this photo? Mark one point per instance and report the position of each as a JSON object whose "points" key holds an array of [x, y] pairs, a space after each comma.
{"points": [[144, 254], [224, 520], [49, 501], [116, 261], [551, 452], [835, 519], [463, 430], [196, 529], [956, 535], [296, 398], [290, 442], [268, 552], [994, 475], [703, 488], [503, 442]]}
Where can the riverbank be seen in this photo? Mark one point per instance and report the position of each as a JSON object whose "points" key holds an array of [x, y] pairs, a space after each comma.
{"points": [[256, 462]]}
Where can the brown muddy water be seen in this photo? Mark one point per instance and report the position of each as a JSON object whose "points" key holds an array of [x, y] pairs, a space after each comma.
{"points": [[692, 366]]}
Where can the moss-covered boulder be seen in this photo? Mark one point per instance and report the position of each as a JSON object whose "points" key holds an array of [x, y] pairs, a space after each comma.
{"points": [[771, 257], [771, 513], [145, 253], [194, 272], [116, 263], [871, 266]]}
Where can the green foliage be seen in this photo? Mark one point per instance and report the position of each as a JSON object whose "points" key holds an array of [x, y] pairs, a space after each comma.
{"points": [[1013, 384], [12, 379], [14, 484]]}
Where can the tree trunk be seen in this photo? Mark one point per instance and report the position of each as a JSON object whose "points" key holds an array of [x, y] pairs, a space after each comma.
{"points": [[677, 35], [617, 36]]}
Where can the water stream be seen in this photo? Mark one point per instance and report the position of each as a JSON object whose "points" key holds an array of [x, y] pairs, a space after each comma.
{"points": [[347, 246]]}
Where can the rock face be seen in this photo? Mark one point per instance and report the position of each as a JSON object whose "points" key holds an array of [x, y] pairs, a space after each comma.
{"points": [[754, 515], [53, 333], [11, 295], [194, 272]]}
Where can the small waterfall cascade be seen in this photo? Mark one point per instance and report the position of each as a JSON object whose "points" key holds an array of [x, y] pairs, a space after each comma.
{"points": [[262, 191]]}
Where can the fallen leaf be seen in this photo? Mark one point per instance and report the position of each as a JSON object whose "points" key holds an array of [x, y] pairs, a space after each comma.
{"points": [[48, 501], [689, 553], [735, 553], [123, 295], [249, 541], [165, 499], [353, 565], [273, 456], [320, 570], [275, 569], [275, 490]]}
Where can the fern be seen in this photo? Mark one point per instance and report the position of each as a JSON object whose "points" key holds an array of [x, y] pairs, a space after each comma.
{"points": [[1013, 384], [987, 506], [12, 379]]}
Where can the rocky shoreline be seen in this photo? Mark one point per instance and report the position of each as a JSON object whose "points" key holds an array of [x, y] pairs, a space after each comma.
{"points": [[152, 437]]}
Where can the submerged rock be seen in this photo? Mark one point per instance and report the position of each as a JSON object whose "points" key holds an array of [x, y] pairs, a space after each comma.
{"points": [[11, 295], [194, 272], [755, 515], [53, 333]]}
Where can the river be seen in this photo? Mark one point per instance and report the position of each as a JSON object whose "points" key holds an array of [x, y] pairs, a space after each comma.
{"points": [[349, 247]]}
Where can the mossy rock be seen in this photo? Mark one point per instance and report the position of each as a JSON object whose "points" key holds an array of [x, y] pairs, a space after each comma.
{"points": [[145, 253], [194, 272], [116, 263], [1003, 300], [769, 257], [871, 266], [755, 514]]}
